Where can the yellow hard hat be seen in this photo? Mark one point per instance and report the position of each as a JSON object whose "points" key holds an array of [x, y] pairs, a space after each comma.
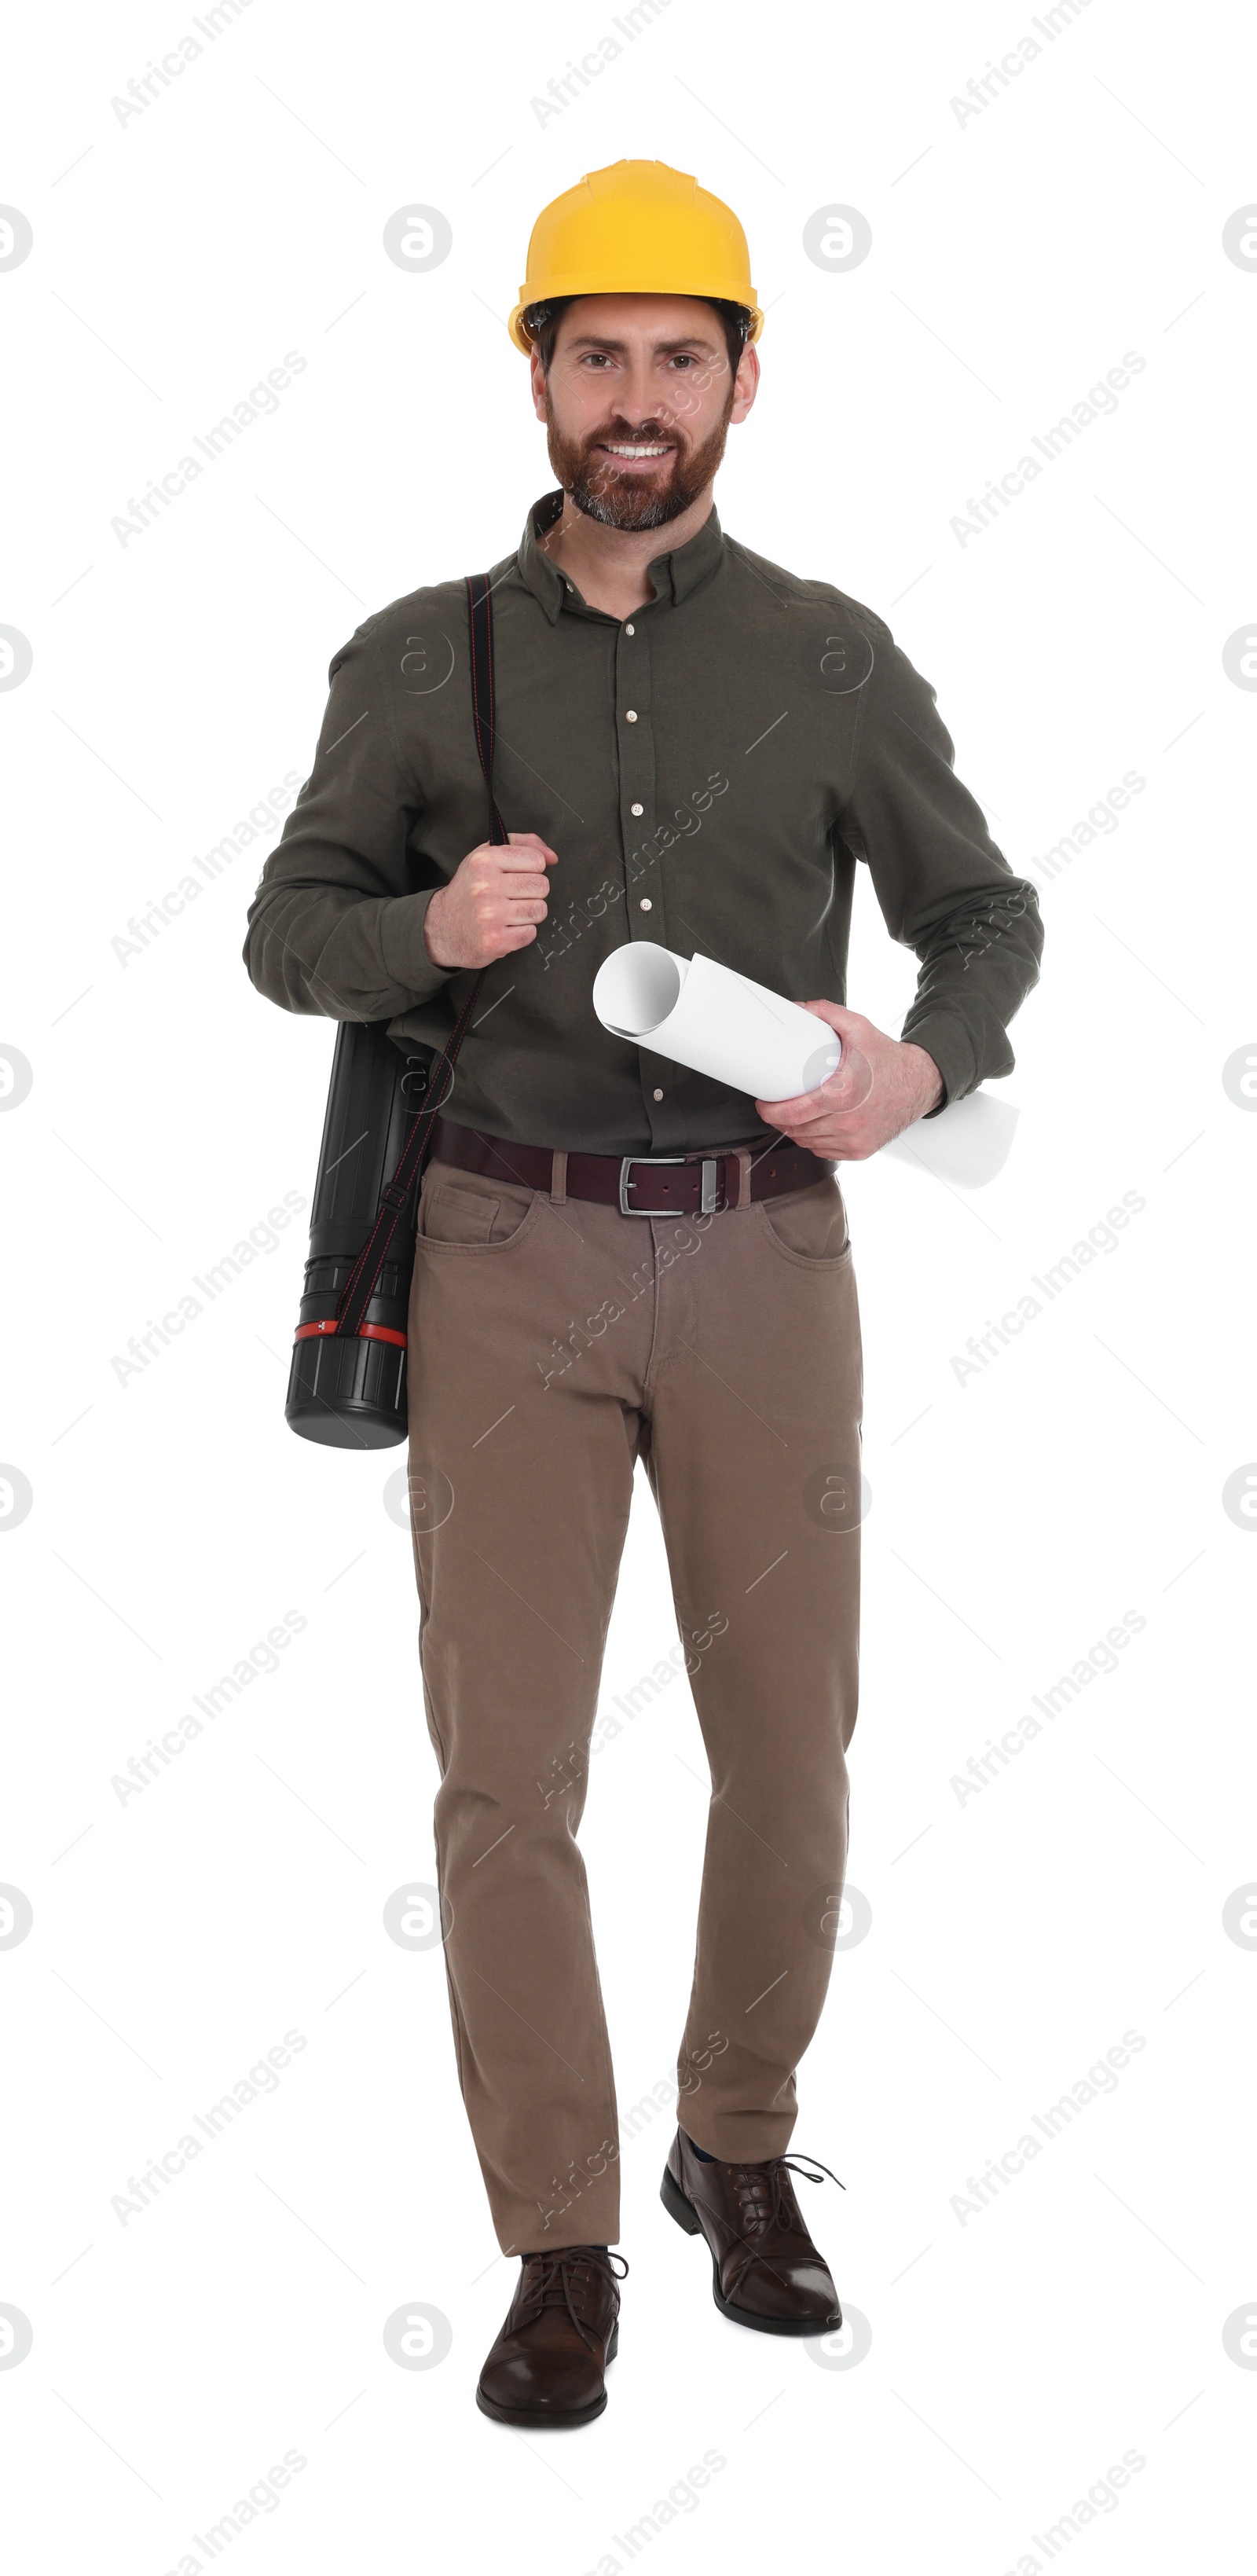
{"points": [[637, 228]]}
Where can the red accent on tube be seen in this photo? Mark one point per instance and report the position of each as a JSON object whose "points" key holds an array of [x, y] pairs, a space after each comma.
{"points": [[365, 1333]]}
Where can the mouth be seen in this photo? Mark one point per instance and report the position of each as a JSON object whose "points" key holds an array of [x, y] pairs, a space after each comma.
{"points": [[636, 454]]}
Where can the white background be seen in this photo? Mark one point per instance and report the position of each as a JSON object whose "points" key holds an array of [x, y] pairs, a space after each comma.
{"points": [[1016, 1515]]}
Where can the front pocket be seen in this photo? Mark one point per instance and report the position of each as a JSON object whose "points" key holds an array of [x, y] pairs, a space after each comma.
{"points": [[458, 1216], [807, 1225]]}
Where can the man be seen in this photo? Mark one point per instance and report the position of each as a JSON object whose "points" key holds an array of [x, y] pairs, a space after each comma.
{"points": [[618, 1259]]}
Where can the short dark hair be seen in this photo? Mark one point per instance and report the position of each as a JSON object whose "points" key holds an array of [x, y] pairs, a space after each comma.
{"points": [[541, 322]]}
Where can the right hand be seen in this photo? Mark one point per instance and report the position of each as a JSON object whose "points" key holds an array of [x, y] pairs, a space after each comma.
{"points": [[492, 903]]}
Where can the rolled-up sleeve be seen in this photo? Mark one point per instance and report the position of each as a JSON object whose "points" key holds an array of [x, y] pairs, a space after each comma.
{"points": [[944, 888], [334, 926]]}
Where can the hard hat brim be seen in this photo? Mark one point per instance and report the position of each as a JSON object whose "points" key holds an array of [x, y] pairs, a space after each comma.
{"points": [[722, 292]]}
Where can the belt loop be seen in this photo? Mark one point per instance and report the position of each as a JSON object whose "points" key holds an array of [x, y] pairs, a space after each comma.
{"points": [[558, 1180], [744, 1179]]}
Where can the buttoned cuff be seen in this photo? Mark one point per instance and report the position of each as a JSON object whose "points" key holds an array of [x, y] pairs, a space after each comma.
{"points": [[403, 948], [947, 1040]]}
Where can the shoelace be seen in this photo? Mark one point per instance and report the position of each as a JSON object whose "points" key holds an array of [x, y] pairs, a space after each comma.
{"points": [[752, 2178], [552, 2286]]}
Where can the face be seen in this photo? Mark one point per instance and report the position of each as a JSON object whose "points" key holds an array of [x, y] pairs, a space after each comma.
{"points": [[637, 404]]}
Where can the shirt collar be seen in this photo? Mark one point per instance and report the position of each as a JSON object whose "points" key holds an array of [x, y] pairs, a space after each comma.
{"points": [[674, 575]]}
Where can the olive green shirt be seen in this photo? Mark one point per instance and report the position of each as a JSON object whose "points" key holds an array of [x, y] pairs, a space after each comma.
{"points": [[710, 771]]}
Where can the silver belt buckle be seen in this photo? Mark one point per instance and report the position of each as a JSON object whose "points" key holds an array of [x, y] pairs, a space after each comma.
{"points": [[708, 1191]]}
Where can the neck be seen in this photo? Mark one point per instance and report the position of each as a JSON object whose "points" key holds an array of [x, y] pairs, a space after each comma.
{"points": [[608, 566]]}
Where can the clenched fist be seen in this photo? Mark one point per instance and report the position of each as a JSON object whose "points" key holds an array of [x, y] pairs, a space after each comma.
{"points": [[492, 903]]}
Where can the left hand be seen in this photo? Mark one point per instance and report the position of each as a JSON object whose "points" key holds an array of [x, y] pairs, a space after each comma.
{"points": [[906, 1085]]}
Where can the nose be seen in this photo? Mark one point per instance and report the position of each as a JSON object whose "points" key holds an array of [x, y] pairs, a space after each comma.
{"points": [[640, 400]]}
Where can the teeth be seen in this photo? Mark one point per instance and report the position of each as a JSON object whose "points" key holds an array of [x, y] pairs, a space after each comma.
{"points": [[637, 451]]}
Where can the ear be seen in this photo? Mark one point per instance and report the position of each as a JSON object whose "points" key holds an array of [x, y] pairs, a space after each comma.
{"points": [[745, 383], [537, 375]]}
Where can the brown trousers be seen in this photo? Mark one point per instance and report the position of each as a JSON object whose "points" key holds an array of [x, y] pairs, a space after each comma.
{"points": [[553, 1342]]}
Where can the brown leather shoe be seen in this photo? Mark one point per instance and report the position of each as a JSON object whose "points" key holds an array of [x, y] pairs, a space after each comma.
{"points": [[562, 2328], [766, 2272]]}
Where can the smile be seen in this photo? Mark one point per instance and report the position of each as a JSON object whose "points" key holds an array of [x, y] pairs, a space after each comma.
{"points": [[611, 450]]}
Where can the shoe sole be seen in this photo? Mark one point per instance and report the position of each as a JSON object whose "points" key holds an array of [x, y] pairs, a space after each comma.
{"points": [[547, 2419], [686, 2216]]}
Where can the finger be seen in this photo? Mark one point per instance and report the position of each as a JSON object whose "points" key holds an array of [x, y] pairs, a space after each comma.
{"points": [[529, 841], [807, 1131], [528, 874], [818, 1131], [847, 1088], [835, 1016], [516, 899], [515, 913], [793, 1114], [842, 1094]]}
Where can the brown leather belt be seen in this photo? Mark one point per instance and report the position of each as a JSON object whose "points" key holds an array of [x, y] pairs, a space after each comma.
{"points": [[638, 1184]]}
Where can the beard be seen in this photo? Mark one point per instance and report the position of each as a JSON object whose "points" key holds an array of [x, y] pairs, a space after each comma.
{"points": [[634, 500]]}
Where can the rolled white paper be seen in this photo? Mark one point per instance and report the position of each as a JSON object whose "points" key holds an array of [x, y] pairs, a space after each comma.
{"points": [[715, 1021], [967, 1144]]}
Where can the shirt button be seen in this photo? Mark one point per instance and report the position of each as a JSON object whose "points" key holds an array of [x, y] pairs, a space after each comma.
{"points": [[644, 905], [628, 631], [636, 809], [630, 715], [656, 1095], [567, 585]]}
